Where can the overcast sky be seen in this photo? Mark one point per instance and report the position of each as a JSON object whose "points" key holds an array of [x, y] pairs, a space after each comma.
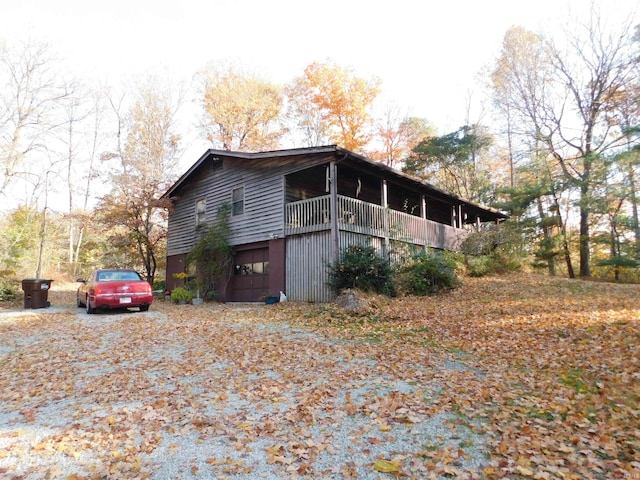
{"points": [[427, 52]]}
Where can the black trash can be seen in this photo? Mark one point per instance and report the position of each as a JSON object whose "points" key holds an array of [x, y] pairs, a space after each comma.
{"points": [[36, 292]]}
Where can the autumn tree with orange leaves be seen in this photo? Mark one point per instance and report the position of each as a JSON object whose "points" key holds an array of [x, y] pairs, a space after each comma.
{"points": [[241, 110], [331, 103], [398, 135]]}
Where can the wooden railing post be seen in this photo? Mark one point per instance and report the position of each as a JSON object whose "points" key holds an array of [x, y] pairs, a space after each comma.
{"points": [[386, 226]]}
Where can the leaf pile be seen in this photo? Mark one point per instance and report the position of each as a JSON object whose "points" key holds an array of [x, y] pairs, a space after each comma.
{"points": [[509, 377], [556, 367]]}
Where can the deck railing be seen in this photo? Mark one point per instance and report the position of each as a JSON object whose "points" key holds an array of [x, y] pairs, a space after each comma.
{"points": [[365, 218]]}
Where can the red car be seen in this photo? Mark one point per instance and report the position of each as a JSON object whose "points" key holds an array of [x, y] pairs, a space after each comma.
{"points": [[114, 288]]}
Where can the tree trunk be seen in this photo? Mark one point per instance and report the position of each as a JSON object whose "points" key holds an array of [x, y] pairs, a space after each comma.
{"points": [[585, 191], [585, 270], [563, 229], [634, 208], [76, 255]]}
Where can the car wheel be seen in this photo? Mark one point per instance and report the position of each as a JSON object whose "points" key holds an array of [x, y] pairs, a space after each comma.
{"points": [[80, 304], [90, 310], [144, 308]]}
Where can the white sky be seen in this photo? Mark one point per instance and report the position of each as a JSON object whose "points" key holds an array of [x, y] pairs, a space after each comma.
{"points": [[427, 52]]}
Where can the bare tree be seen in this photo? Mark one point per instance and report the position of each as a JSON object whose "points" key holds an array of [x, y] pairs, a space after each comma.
{"points": [[565, 98], [144, 168], [29, 96], [80, 138]]}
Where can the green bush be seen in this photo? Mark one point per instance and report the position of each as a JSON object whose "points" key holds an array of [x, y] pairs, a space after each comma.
{"points": [[181, 293], [159, 285], [481, 265], [8, 293], [492, 251], [361, 268], [9, 288], [427, 274], [212, 255]]}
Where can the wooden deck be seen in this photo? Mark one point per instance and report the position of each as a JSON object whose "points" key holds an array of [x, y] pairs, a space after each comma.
{"points": [[356, 216]]}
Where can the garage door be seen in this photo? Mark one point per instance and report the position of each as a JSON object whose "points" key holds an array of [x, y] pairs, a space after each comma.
{"points": [[250, 281]]}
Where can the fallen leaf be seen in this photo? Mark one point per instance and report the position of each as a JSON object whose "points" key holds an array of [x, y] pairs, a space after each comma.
{"points": [[386, 466]]}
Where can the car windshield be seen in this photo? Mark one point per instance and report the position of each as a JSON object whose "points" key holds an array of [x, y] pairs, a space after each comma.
{"points": [[117, 276]]}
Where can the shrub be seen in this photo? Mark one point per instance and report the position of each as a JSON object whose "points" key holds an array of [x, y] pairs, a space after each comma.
{"points": [[618, 265], [492, 250], [181, 293], [481, 265], [8, 292], [427, 274], [212, 255], [361, 268], [8, 287]]}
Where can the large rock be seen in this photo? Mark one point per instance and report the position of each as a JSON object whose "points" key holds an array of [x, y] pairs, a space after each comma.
{"points": [[352, 300]]}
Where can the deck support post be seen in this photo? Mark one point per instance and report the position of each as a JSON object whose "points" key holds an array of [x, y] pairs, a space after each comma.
{"points": [[333, 193]]}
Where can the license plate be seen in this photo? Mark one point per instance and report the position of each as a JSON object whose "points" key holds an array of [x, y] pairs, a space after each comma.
{"points": [[125, 299]]}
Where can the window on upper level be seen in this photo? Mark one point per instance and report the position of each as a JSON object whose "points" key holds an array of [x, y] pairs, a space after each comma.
{"points": [[201, 212], [237, 201]]}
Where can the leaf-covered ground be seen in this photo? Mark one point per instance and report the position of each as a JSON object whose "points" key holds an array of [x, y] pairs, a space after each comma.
{"points": [[508, 377]]}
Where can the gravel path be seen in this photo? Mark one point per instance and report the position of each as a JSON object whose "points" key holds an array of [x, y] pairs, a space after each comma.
{"points": [[210, 392]]}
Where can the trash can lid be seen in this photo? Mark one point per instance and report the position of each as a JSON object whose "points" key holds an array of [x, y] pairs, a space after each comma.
{"points": [[36, 280]]}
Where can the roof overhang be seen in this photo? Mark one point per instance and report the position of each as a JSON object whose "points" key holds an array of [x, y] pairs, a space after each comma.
{"points": [[341, 155]]}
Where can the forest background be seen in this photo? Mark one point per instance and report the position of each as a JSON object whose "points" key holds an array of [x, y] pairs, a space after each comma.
{"points": [[553, 141]]}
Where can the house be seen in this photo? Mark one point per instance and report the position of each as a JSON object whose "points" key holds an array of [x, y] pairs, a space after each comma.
{"points": [[293, 211]]}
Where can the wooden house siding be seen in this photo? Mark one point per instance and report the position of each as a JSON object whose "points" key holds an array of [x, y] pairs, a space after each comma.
{"points": [[264, 197], [263, 206], [294, 205], [181, 222], [306, 279]]}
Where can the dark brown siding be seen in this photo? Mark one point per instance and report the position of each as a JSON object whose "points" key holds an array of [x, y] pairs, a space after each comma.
{"points": [[277, 270], [250, 274], [175, 264]]}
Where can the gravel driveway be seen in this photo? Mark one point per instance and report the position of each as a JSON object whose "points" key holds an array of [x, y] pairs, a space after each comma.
{"points": [[217, 391]]}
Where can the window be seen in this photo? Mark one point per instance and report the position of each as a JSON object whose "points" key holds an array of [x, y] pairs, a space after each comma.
{"points": [[201, 212], [237, 201], [257, 268]]}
